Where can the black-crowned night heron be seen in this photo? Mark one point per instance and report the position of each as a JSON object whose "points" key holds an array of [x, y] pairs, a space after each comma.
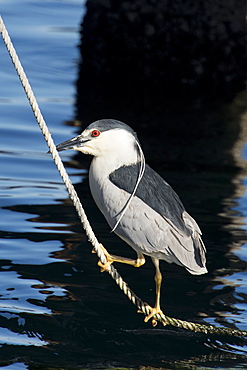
{"points": [[137, 203]]}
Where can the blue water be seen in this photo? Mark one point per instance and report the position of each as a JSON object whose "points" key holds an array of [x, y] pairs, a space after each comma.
{"points": [[45, 35], [56, 309]]}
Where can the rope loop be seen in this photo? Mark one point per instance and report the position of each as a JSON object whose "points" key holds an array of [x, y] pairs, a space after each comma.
{"points": [[81, 213]]}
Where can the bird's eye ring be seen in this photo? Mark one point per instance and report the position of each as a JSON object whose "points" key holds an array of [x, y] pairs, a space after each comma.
{"points": [[95, 133]]}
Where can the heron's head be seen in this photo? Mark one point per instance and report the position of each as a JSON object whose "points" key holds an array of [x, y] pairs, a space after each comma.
{"points": [[105, 137]]}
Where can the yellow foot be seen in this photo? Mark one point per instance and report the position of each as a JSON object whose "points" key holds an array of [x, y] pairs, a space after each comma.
{"points": [[153, 311], [109, 260]]}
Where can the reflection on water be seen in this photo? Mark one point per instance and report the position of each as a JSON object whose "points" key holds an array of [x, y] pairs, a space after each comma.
{"points": [[232, 283], [53, 295], [56, 308]]}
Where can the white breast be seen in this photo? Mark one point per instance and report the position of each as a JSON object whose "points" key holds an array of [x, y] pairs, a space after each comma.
{"points": [[108, 197]]}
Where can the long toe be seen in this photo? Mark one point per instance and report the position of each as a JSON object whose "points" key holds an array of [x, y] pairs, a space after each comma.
{"points": [[105, 266], [153, 311]]}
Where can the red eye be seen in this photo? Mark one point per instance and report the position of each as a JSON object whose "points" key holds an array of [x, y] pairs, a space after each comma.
{"points": [[95, 133]]}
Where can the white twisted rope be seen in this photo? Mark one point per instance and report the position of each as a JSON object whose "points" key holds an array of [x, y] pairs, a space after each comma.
{"points": [[71, 190], [81, 213]]}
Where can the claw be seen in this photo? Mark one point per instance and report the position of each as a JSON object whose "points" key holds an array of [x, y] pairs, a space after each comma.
{"points": [[153, 311], [154, 322], [104, 266], [109, 260]]}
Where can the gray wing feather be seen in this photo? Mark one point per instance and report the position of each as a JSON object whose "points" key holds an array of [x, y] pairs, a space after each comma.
{"points": [[152, 190], [159, 238]]}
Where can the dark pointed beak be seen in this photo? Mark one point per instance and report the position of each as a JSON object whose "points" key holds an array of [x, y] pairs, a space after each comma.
{"points": [[75, 143]]}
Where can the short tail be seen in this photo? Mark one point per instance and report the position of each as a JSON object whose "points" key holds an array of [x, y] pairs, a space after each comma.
{"points": [[199, 267]]}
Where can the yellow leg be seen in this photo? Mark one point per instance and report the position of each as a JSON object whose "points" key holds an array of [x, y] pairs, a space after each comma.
{"points": [[158, 281], [110, 258]]}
